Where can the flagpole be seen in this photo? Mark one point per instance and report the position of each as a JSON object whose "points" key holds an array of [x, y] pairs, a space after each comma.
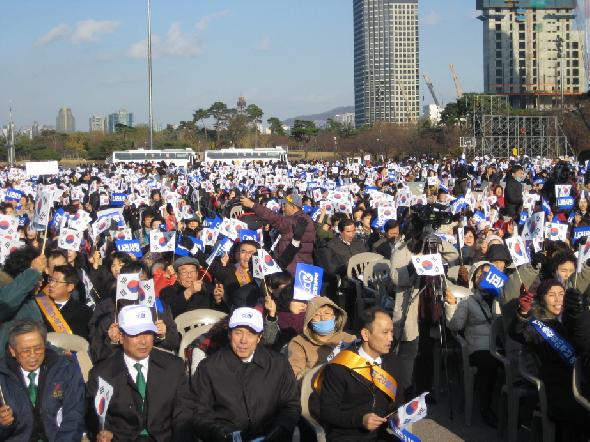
{"points": [[44, 239]]}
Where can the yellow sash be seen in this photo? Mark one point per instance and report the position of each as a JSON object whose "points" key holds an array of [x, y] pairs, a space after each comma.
{"points": [[372, 373], [52, 314]]}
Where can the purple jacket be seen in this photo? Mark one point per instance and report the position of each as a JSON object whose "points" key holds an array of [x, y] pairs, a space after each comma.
{"points": [[284, 224]]}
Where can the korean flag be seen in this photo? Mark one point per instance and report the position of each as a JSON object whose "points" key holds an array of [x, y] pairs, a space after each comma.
{"points": [[428, 265]]}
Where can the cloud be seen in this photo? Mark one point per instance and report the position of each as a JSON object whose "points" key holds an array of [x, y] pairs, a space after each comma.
{"points": [[432, 18], [264, 44], [175, 44], [90, 30], [204, 22], [57, 33]]}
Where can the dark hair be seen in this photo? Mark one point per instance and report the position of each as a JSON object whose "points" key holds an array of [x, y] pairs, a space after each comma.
{"points": [[250, 242], [550, 267], [544, 287], [275, 280], [367, 317], [57, 254], [24, 326], [344, 223], [69, 272], [337, 217], [367, 213], [390, 224], [20, 260], [135, 267], [121, 256]]}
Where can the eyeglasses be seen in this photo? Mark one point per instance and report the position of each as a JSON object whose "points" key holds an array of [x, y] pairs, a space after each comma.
{"points": [[322, 316], [31, 350], [55, 281], [187, 273]]}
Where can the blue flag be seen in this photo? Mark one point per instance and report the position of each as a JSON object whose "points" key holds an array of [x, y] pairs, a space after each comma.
{"points": [[212, 223], [308, 281], [581, 232], [493, 281], [565, 202], [129, 246], [546, 206], [13, 195], [523, 217], [118, 199], [248, 235], [198, 245], [220, 249], [479, 217]]}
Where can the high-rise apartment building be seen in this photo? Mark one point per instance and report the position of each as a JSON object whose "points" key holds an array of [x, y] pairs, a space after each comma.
{"points": [[532, 51], [97, 123], [120, 117], [65, 121], [386, 61]]}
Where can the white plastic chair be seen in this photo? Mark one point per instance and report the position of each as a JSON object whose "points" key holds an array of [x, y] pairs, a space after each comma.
{"points": [[74, 344], [236, 211], [190, 336], [306, 390], [195, 318]]}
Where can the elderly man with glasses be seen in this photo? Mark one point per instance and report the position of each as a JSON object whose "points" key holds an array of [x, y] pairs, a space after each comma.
{"points": [[41, 392], [190, 292]]}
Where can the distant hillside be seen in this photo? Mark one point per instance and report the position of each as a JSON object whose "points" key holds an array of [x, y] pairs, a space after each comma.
{"points": [[323, 116]]}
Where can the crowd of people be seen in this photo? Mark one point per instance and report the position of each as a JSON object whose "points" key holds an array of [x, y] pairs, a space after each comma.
{"points": [[115, 254]]}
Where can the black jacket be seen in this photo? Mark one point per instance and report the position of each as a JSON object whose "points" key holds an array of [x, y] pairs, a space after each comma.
{"points": [[77, 315], [346, 397], [553, 370], [260, 398], [170, 406], [513, 196], [174, 297], [336, 254]]}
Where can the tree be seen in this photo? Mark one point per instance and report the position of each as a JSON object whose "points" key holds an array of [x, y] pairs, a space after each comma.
{"points": [[201, 115], [220, 114], [303, 131], [276, 127], [255, 114]]}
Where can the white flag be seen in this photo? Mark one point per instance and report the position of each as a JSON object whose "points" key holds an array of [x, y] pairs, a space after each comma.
{"points": [[428, 265], [70, 239], [128, 286], [162, 241], [413, 411], [43, 204], [583, 255], [556, 232], [147, 294], [102, 399], [269, 265], [257, 268], [517, 249], [534, 226], [8, 225], [209, 236]]}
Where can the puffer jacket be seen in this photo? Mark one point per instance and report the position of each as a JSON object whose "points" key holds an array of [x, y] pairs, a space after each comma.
{"points": [[513, 196], [284, 224], [473, 315], [17, 302], [60, 400], [407, 288], [309, 349]]}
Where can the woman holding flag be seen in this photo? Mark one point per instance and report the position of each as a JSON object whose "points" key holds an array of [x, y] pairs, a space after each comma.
{"points": [[538, 326]]}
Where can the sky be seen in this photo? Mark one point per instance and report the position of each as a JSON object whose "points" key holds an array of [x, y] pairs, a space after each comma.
{"points": [[288, 57]]}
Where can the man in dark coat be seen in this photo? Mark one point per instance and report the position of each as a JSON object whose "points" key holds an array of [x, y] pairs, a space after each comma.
{"points": [[353, 405], [43, 391], [284, 224], [245, 388], [391, 232], [341, 248], [151, 399], [513, 192], [76, 314]]}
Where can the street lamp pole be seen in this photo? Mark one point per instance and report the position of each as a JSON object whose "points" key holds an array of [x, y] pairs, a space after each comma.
{"points": [[149, 45]]}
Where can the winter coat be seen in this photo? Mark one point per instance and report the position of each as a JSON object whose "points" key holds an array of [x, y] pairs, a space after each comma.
{"points": [[60, 400], [407, 288], [555, 373], [284, 224], [513, 196], [257, 398], [472, 314], [345, 397], [309, 349], [17, 302], [174, 297], [170, 405], [336, 254]]}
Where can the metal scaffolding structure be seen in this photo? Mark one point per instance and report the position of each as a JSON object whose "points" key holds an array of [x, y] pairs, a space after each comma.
{"points": [[493, 131]]}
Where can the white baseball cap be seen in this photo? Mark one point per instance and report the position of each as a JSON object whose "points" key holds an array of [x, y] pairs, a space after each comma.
{"points": [[246, 317], [136, 319]]}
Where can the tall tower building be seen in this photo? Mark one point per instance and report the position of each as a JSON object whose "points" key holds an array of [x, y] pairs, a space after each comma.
{"points": [[386, 61], [97, 123], [65, 121], [120, 117], [532, 51]]}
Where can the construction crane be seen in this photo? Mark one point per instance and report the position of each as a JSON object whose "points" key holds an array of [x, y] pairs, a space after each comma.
{"points": [[431, 89], [458, 88]]}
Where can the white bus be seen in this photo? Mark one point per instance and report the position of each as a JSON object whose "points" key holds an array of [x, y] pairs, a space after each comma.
{"points": [[239, 156], [180, 157]]}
